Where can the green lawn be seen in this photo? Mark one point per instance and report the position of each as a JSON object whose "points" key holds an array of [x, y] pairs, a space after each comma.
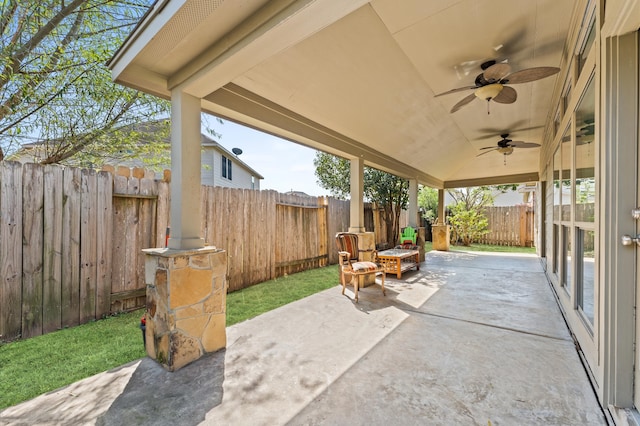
{"points": [[41, 364], [486, 247]]}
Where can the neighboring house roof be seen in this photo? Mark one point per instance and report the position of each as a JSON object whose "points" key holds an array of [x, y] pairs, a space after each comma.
{"points": [[28, 151], [298, 193]]}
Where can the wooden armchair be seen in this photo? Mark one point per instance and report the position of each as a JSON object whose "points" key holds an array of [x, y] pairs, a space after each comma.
{"points": [[351, 266]]}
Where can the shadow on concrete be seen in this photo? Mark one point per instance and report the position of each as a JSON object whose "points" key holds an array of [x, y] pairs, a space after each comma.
{"points": [[182, 397]]}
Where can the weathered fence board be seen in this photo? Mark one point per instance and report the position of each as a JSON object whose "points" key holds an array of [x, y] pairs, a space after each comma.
{"points": [[88, 245], [104, 230], [131, 241], [270, 233], [70, 294], [32, 246], [118, 242], [52, 248], [11, 249]]}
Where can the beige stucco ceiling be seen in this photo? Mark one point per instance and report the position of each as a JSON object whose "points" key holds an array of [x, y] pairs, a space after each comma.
{"points": [[358, 78]]}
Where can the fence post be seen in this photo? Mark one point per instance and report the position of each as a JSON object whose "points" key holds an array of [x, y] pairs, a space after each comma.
{"points": [[523, 225]]}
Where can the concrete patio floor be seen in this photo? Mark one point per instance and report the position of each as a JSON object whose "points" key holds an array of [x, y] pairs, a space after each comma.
{"points": [[469, 339]]}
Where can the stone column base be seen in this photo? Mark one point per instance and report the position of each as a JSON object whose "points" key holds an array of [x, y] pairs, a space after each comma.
{"points": [[440, 235], [186, 304]]}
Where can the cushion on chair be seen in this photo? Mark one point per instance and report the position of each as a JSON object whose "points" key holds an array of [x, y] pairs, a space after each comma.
{"points": [[350, 242], [364, 266]]}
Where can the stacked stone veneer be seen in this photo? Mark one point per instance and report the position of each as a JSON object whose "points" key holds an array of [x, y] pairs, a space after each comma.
{"points": [[186, 304], [440, 234]]}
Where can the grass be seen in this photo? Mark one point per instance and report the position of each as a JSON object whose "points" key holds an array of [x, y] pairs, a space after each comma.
{"points": [[258, 299], [41, 364], [486, 248]]}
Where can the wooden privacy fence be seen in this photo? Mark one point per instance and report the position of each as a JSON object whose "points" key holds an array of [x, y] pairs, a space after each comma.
{"points": [[509, 226], [54, 256], [71, 240], [267, 234]]}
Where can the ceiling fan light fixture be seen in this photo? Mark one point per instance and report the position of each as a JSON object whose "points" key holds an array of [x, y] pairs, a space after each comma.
{"points": [[507, 150], [489, 91]]}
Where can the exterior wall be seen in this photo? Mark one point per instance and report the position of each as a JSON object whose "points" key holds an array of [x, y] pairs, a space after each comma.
{"points": [[241, 178], [619, 195], [606, 331], [571, 266]]}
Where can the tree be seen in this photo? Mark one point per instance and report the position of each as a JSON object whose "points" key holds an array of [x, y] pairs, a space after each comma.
{"points": [[333, 174], [55, 86], [389, 192], [428, 202], [472, 198], [467, 218], [467, 225]]}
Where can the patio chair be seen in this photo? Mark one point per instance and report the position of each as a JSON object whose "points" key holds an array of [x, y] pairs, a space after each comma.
{"points": [[407, 235], [351, 265]]}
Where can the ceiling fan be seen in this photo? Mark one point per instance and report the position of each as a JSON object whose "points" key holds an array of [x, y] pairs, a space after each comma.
{"points": [[584, 133], [491, 83], [505, 146]]}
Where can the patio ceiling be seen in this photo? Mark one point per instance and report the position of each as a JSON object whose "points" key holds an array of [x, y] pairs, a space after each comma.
{"points": [[357, 78]]}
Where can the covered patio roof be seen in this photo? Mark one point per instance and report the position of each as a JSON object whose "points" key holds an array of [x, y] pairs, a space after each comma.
{"points": [[358, 78]]}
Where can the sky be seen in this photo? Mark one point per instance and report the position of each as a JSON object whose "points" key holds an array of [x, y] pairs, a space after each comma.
{"points": [[285, 166]]}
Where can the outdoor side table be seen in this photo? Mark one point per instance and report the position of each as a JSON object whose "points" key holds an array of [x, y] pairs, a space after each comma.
{"points": [[397, 261]]}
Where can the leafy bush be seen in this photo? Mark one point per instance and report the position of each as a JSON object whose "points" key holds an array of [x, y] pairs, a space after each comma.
{"points": [[467, 225]]}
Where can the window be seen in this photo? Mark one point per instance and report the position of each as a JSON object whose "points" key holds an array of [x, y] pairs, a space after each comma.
{"points": [[226, 168], [585, 200], [556, 248], [586, 270], [557, 188], [586, 46], [585, 184], [567, 267], [566, 98], [565, 175]]}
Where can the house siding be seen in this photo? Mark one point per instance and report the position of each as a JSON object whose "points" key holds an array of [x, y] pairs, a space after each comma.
{"points": [[241, 178]]}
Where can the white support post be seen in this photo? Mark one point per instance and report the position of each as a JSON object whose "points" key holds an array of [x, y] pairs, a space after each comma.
{"points": [[356, 217], [185, 172], [413, 203]]}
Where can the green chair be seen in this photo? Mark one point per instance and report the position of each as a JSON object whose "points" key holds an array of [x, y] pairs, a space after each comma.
{"points": [[408, 235]]}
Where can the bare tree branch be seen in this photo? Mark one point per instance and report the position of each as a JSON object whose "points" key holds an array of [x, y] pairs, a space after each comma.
{"points": [[18, 56]]}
